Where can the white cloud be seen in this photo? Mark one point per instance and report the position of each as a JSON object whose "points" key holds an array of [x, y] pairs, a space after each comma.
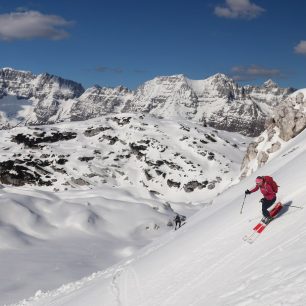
{"points": [[245, 73], [32, 24], [301, 47], [239, 9]]}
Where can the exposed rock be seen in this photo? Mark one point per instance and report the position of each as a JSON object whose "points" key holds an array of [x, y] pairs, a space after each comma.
{"points": [[32, 142], [17, 175], [79, 181], [262, 158], [275, 147], [172, 183], [62, 161], [148, 175], [191, 186], [289, 119], [211, 185], [93, 132]]}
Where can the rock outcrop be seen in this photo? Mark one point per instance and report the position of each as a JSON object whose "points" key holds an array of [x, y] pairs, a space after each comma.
{"points": [[289, 119]]}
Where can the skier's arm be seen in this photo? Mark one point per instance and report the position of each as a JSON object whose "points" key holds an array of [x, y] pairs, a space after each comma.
{"points": [[254, 189]]}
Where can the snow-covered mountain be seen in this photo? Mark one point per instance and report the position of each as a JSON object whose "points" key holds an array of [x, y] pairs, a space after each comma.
{"points": [[287, 121], [97, 101], [216, 101], [166, 158], [35, 99], [206, 262]]}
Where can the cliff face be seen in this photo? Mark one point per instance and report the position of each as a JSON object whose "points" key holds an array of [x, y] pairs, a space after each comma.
{"points": [[288, 120], [44, 95]]}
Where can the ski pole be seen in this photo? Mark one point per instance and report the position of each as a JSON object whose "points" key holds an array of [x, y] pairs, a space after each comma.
{"points": [[293, 206], [242, 204]]}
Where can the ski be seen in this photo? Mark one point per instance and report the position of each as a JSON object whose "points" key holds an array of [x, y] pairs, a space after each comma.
{"points": [[259, 227], [180, 226], [251, 238]]}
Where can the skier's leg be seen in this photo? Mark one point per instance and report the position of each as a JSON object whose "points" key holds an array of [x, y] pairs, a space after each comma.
{"points": [[265, 205]]}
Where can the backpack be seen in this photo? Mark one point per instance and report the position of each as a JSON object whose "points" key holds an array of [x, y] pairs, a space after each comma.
{"points": [[269, 180]]}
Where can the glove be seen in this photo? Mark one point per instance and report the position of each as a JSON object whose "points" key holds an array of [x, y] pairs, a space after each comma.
{"points": [[247, 192]]}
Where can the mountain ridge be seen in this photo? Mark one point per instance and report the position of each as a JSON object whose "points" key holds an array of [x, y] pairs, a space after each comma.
{"points": [[217, 101]]}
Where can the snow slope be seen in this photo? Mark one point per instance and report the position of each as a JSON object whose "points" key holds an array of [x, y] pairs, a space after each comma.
{"points": [[100, 206], [206, 262], [47, 238]]}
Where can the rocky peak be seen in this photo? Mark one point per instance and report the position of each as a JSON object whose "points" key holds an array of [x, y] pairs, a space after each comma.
{"points": [[14, 82], [217, 101], [27, 85], [97, 101], [220, 78], [270, 84], [289, 119], [225, 86], [49, 80], [171, 78]]}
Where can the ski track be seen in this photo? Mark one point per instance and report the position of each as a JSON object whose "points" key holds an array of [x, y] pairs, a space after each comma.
{"points": [[278, 247], [200, 278], [201, 254], [115, 286]]}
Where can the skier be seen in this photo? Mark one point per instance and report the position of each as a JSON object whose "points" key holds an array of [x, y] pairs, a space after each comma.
{"points": [[269, 196], [178, 221]]}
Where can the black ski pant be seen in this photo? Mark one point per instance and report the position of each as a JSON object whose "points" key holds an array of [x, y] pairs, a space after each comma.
{"points": [[177, 223], [265, 205]]}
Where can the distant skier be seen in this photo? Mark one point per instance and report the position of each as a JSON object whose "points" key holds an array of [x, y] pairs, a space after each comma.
{"points": [[268, 188], [178, 221]]}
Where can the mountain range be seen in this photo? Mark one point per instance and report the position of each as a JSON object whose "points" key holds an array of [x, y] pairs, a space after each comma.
{"points": [[216, 101]]}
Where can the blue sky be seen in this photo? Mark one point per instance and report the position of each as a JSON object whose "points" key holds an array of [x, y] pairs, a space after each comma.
{"points": [[122, 42]]}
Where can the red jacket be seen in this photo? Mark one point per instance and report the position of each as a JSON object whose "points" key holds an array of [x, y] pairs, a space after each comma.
{"points": [[266, 190]]}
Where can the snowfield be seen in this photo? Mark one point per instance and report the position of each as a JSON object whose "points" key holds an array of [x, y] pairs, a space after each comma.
{"points": [[206, 262], [100, 207]]}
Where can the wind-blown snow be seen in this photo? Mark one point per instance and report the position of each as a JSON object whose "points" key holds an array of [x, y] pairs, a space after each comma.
{"points": [[48, 239], [51, 235], [206, 262]]}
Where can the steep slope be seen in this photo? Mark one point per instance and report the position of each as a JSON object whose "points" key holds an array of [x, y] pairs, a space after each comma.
{"points": [[97, 101], [41, 99], [206, 262]]}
